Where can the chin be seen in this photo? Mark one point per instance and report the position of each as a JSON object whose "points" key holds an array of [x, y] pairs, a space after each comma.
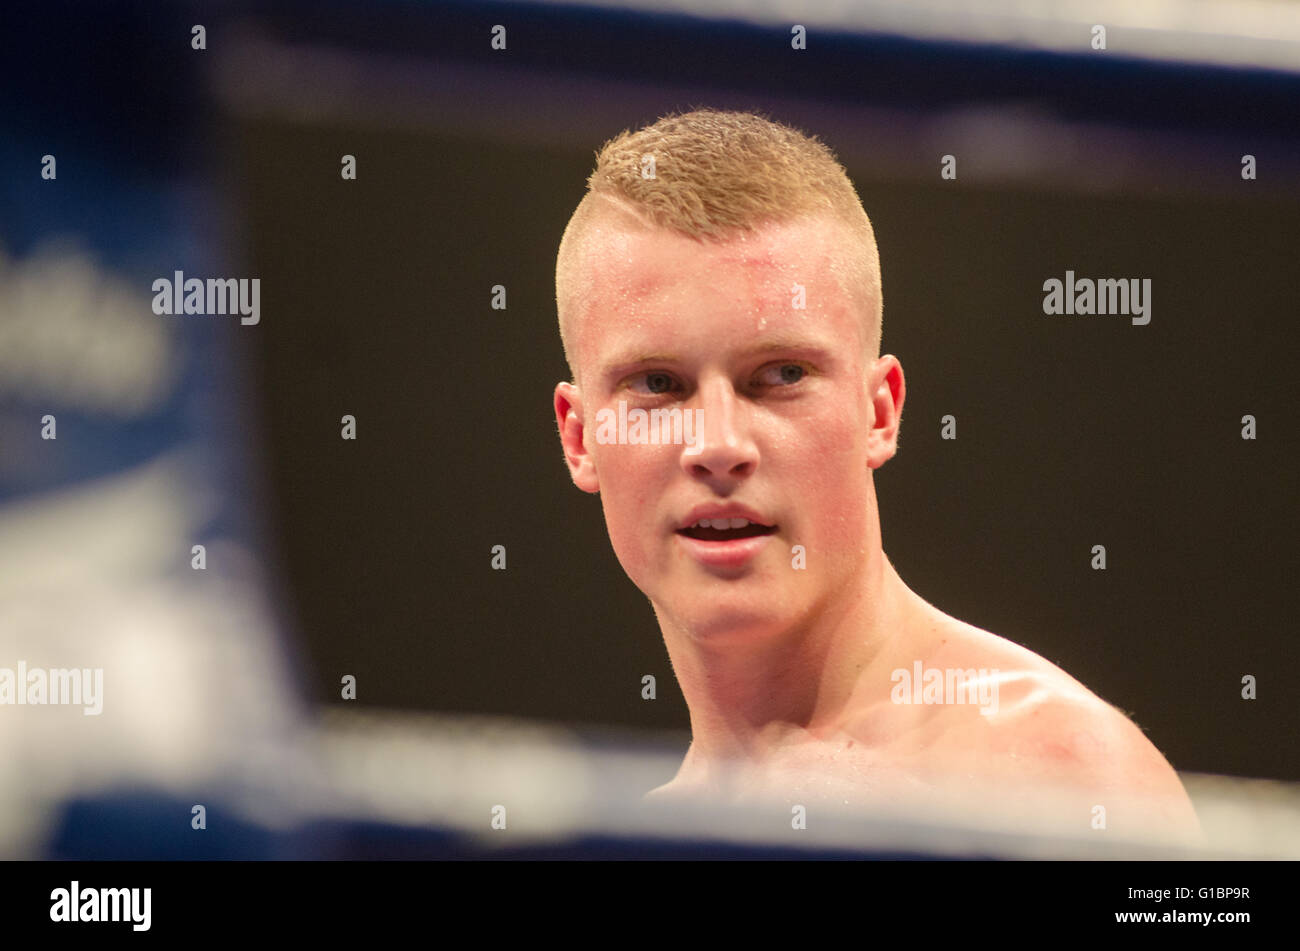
{"points": [[714, 619]]}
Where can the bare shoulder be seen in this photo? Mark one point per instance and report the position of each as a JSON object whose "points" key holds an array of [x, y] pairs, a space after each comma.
{"points": [[1038, 710], [1048, 727]]}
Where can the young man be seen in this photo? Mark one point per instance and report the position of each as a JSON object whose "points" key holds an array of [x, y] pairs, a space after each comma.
{"points": [[722, 266]]}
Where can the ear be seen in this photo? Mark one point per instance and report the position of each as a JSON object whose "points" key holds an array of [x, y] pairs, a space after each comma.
{"points": [[568, 417], [888, 391]]}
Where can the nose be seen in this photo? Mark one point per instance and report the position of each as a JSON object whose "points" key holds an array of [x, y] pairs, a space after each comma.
{"points": [[724, 449]]}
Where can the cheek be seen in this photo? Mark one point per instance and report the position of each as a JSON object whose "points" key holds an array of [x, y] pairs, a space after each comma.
{"points": [[834, 493], [630, 491]]}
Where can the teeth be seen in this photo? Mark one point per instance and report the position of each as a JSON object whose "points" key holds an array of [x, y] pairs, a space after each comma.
{"points": [[722, 523]]}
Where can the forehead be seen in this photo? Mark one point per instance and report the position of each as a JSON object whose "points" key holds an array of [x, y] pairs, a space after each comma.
{"points": [[652, 286]]}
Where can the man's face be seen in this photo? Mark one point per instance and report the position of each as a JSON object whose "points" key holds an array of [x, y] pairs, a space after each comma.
{"points": [[790, 418]]}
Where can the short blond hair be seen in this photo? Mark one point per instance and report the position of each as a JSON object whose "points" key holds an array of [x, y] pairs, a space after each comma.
{"points": [[718, 174]]}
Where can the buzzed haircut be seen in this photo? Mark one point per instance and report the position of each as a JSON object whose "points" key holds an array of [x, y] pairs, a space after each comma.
{"points": [[717, 174]]}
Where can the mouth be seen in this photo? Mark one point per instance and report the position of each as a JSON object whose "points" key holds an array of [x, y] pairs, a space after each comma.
{"points": [[725, 530], [717, 546]]}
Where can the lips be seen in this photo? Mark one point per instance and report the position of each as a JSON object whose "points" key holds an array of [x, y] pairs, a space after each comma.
{"points": [[729, 551], [723, 523], [738, 528]]}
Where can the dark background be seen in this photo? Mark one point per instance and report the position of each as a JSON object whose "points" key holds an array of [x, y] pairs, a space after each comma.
{"points": [[1072, 431]]}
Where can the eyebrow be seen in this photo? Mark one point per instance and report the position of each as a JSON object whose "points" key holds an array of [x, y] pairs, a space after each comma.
{"points": [[632, 358]]}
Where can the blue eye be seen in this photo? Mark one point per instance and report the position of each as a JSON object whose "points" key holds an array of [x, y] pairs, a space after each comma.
{"points": [[789, 372], [656, 382]]}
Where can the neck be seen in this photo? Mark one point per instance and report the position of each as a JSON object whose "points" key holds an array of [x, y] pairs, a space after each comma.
{"points": [[752, 689]]}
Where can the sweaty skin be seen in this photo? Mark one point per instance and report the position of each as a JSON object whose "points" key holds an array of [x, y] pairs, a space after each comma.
{"points": [[787, 670]]}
